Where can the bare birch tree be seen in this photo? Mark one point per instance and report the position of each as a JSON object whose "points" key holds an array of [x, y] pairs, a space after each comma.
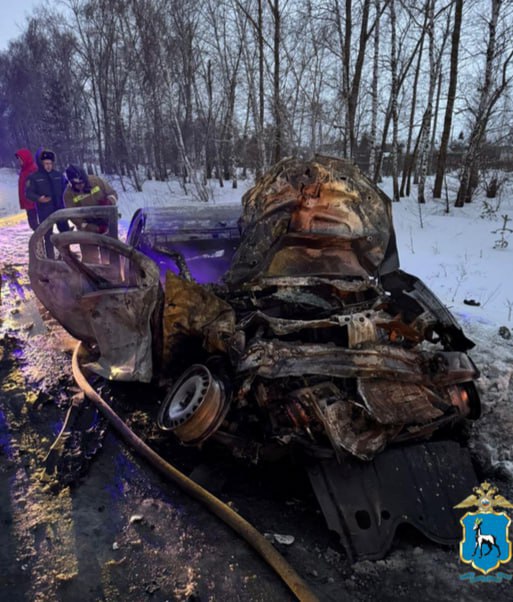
{"points": [[374, 94], [496, 78], [394, 93], [428, 112]]}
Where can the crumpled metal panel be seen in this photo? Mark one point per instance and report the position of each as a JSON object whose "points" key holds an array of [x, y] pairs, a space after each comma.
{"points": [[334, 286], [348, 426], [109, 305], [279, 359], [296, 259], [313, 292], [352, 429], [274, 358], [451, 367], [120, 322], [413, 296], [393, 402], [57, 284], [365, 502], [360, 329], [193, 312], [308, 218]]}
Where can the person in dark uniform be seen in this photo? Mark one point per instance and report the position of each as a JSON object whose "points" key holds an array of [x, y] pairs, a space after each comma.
{"points": [[45, 188]]}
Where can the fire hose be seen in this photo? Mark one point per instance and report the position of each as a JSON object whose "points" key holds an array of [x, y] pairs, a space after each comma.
{"points": [[241, 526]]}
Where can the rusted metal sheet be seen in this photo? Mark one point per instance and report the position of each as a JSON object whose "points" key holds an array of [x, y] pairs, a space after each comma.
{"points": [[279, 359], [321, 217], [193, 312], [392, 402], [349, 427], [354, 430], [107, 305]]}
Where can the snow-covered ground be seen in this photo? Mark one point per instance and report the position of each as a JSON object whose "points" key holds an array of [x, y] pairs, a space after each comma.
{"points": [[454, 253]]}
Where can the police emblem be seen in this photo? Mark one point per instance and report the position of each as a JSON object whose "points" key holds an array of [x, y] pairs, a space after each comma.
{"points": [[485, 544]]}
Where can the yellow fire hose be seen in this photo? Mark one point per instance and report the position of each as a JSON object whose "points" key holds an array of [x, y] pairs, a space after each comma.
{"points": [[241, 526]]}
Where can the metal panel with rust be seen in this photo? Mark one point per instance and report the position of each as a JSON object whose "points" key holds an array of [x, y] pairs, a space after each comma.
{"points": [[108, 306], [321, 217]]}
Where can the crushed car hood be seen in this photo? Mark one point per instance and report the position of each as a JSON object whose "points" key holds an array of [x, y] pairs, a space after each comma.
{"points": [[315, 218]]}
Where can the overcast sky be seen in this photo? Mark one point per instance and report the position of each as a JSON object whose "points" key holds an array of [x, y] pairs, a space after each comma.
{"points": [[13, 15]]}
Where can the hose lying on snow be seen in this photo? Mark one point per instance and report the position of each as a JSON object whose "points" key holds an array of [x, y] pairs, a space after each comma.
{"points": [[224, 512]]}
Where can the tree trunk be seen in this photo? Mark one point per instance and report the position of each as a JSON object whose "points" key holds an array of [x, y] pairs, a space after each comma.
{"points": [[374, 92], [201, 190], [489, 95], [451, 96], [394, 95], [354, 91], [409, 157], [428, 113], [278, 133]]}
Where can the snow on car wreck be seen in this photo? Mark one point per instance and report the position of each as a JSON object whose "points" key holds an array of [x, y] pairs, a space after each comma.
{"points": [[285, 327]]}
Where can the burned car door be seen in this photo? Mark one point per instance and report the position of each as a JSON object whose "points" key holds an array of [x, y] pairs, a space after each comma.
{"points": [[108, 305]]}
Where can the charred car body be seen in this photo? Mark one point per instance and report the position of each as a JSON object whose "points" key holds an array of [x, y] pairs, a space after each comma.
{"points": [[285, 327]]}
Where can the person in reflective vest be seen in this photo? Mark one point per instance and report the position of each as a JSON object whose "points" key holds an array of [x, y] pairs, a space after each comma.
{"points": [[88, 191]]}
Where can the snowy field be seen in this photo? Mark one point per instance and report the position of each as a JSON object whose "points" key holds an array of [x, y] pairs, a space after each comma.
{"points": [[456, 254]]}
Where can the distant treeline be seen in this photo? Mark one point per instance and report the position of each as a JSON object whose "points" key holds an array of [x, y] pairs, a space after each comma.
{"points": [[160, 88]]}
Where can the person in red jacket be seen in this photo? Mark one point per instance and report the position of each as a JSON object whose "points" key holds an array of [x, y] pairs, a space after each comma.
{"points": [[28, 166]]}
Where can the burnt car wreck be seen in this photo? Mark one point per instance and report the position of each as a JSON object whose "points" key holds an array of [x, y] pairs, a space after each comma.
{"points": [[285, 327]]}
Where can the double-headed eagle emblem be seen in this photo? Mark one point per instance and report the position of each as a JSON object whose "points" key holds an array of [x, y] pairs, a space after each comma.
{"points": [[486, 498]]}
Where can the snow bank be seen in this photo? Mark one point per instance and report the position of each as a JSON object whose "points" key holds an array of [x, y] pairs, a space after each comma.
{"points": [[9, 204]]}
